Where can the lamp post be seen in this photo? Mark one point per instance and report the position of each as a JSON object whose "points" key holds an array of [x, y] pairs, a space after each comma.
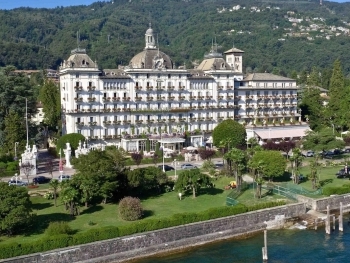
{"points": [[175, 163], [16, 144]]}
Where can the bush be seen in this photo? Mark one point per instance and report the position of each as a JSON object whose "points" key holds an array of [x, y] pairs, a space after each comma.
{"points": [[58, 228], [130, 208], [12, 166], [336, 190]]}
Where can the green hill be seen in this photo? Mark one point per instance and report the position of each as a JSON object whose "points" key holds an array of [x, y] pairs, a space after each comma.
{"points": [[114, 32]]}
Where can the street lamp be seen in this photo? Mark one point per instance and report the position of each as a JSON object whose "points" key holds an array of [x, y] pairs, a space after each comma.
{"points": [[175, 163], [16, 144]]}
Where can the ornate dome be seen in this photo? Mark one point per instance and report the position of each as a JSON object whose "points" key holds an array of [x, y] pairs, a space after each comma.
{"points": [[151, 57]]}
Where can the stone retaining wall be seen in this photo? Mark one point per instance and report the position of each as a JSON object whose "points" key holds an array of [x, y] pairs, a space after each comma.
{"points": [[333, 202], [119, 249]]}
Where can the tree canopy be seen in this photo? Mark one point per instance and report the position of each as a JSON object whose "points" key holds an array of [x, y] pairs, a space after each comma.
{"points": [[229, 133], [272, 163], [15, 208], [322, 140], [192, 180]]}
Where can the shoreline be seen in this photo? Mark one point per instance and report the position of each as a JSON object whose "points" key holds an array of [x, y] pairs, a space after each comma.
{"points": [[182, 249]]}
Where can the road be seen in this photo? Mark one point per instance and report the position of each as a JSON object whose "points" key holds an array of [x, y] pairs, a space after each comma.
{"points": [[44, 155]]}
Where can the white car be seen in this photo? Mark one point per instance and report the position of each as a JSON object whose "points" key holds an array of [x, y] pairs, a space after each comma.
{"points": [[18, 183], [188, 166], [63, 178]]}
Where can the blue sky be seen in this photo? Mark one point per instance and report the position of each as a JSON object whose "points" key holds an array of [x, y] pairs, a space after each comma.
{"points": [[10, 4]]}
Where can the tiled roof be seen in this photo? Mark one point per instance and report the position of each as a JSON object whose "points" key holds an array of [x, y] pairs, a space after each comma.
{"points": [[266, 77]]}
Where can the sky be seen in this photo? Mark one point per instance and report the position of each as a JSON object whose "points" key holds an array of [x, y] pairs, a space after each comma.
{"points": [[8, 4]]}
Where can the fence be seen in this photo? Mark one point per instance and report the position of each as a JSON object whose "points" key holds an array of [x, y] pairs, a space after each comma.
{"points": [[231, 198]]}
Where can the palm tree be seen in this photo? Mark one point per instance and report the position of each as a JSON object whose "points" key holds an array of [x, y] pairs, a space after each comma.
{"points": [[54, 185], [237, 160], [257, 169], [296, 160]]}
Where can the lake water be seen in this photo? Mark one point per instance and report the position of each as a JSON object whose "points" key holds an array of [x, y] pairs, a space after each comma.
{"points": [[295, 246]]}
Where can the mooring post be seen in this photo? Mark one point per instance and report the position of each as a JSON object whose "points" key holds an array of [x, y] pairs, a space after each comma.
{"points": [[333, 222], [328, 223], [316, 222], [341, 217], [264, 249]]}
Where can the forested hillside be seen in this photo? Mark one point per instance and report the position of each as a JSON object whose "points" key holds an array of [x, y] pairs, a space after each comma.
{"points": [[113, 32]]}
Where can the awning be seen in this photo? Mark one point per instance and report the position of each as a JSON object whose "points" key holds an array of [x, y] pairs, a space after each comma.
{"points": [[171, 140], [281, 133]]}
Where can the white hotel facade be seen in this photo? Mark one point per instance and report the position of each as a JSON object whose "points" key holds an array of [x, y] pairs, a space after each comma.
{"points": [[151, 99]]}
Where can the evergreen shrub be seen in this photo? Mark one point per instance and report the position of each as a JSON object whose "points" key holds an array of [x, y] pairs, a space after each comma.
{"points": [[130, 208]]}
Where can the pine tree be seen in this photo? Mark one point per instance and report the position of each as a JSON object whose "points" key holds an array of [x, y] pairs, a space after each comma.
{"points": [[15, 131], [337, 106], [50, 98]]}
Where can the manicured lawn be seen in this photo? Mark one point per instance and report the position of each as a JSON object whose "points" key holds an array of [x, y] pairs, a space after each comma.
{"points": [[327, 177], [160, 206]]}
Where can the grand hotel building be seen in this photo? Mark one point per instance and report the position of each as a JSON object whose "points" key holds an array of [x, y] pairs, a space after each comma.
{"points": [[150, 98]]}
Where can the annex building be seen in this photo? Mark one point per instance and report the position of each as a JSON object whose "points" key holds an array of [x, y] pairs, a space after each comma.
{"points": [[150, 98]]}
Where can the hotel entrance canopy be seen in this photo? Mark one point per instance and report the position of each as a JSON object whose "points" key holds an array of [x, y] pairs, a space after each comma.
{"points": [[281, 132]]}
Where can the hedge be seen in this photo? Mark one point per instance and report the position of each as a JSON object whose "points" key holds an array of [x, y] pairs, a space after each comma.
{"points": [[59, 241], [336, 190]]}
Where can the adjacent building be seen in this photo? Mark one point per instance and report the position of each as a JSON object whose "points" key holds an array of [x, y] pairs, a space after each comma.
{"points": [[151, 101]]}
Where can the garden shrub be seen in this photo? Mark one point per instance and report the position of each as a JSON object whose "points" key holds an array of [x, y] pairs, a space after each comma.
{"points": [[58, 228], [130, 208], [12, 166], [336, 190]]}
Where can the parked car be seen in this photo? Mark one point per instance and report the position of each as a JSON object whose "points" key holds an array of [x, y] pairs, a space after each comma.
{"points": [[328, 155], [188, 166], [342, 174], [63, 178], [166, 167], [41, 180], [309, 154], [17, 183], [347, 150]]}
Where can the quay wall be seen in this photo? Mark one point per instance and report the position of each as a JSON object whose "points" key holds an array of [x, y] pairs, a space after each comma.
{"points": [[153, 242]]}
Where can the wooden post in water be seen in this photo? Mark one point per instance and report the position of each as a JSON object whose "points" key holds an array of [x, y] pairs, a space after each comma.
{"points": [[333, 222], [264, 249], [316, 222], [328, 223], [341, 217]]}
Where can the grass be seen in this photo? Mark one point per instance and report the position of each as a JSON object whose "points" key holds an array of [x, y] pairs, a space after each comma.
{"points": [[160, 206], [327, 177]]}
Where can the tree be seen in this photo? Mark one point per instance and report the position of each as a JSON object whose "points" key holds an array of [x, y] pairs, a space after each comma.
{"points": [[274, 163], [137, 157], [296, 161], [49, 96], [49, 166], [257, 167], [337, 107], [15, 131], [54, 185], [72, 138], [286, 146], [26, 168], [70, 197], [130, 208], [314, 165], [237, 162], [229, 132], [147, 180], [192, 179], [206, 153], [312, 108], [322, 141], [97, 176], [14, 209]]}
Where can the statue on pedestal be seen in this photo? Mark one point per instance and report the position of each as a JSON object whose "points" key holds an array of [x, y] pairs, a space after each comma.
{"points": [[68, 152]]}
